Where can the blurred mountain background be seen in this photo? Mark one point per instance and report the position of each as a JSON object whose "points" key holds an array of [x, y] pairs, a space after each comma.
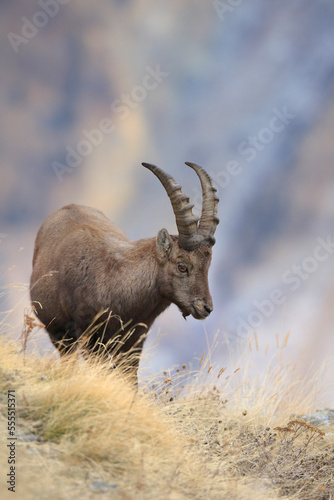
{"points": [[245, 89]]}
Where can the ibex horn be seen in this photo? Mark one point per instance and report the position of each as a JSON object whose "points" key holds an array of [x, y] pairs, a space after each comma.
{"points": [[186, 221], [209, 220]]}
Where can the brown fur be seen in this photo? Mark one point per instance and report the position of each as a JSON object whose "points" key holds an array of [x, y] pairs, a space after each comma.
{"points": [[83, 265]]}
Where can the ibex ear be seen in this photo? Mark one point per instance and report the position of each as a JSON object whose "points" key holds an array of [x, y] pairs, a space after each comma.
{"points": [[164, 243]]}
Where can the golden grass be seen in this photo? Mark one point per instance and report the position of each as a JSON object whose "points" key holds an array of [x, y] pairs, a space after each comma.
{"points": [[229, 433]]}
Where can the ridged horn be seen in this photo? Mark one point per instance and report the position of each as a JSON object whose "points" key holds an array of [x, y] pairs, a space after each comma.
{"points": [[186, 221], [209, 220]]}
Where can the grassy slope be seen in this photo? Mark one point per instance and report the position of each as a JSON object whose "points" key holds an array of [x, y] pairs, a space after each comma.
{"points": [[218, 440]]}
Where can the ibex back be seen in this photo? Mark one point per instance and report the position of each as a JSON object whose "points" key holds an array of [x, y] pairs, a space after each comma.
{"points": [[85, 266]]}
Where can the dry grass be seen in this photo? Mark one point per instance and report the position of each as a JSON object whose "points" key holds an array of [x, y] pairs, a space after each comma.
{"points": [[228, 435]]}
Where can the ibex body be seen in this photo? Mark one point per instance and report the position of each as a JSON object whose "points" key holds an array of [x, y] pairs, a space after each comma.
{"points": [[84, 265]]}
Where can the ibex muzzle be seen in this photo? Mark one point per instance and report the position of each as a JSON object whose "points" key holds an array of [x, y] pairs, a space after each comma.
{"points": [[85, 267]]}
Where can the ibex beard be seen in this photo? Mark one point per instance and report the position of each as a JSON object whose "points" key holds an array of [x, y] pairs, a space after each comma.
{"points": [[90, 281]]}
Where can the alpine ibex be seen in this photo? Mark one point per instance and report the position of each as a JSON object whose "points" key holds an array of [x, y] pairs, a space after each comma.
{"points": [[84, 265]]}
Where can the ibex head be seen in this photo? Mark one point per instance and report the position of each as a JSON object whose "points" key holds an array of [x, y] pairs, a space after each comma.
{"points": [[184, 260]]}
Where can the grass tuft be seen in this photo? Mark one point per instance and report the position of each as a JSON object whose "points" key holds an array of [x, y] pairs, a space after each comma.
{"points": [[206, 432]]}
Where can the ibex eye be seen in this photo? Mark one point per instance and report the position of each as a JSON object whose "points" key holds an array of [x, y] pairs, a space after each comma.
{"points": [[182, 268]]}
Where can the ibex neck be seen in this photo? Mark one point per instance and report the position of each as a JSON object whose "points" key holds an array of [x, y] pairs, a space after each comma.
{"points": [[139, 273]]}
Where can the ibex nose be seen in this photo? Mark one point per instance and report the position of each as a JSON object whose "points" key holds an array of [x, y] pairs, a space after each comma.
{"points": [[202, 309], [208, 309]]}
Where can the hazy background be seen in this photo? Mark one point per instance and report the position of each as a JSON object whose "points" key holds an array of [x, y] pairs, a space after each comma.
{"points": [[245, 89]]}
